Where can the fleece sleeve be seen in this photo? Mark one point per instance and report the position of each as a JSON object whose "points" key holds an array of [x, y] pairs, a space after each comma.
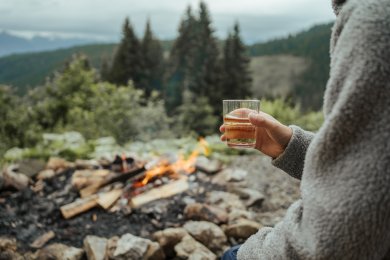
{"points": [[292, 159], [344, 211]]}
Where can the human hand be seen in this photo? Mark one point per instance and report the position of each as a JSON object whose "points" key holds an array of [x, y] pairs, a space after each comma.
{"points": [[272, 136]]}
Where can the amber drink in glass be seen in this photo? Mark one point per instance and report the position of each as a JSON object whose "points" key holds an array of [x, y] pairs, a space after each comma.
{"points": [[239, 132]]}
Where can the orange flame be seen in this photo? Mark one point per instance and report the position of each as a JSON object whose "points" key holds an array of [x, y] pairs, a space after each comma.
{"points": [[181, 165]]}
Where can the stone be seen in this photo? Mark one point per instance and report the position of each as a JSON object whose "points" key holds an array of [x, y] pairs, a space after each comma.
{"points": [[87, 164], [252, 197], [236, 175], [131, 247], [208, 166], [225, 200], [199, 211], [168, 238], [60, 252], [242, 229], [10, 177], [30, 167], [111, 246], [189, 248], [209, 234], [8, 254], [46, 174], [238, 214], [95, 247], [30, 255], [7, 243], [154, 252], [8, 247], [220, 177]]}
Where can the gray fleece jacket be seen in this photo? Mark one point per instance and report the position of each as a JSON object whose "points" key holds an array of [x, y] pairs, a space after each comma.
{"points": [[344, 210]]}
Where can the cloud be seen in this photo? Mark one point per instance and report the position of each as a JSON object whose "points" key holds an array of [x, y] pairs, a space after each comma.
{"points": [[259, 19]]}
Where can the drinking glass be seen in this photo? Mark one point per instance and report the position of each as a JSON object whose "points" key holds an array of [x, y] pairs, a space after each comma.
{"points": [[239, 132]]}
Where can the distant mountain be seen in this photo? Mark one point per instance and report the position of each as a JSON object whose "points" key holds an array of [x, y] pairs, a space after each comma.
{"points": [[10, 44], [313, 46], [297, 65], [24, 71]]}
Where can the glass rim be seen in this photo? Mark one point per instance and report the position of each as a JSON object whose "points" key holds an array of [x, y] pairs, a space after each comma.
{"points": [[241, 100]]}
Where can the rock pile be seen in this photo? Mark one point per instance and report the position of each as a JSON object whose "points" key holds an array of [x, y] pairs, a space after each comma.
{"points": [[210, 221]]}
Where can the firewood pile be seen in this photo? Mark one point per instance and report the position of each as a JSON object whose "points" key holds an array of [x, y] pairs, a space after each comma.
{"points": [[188, 207]]}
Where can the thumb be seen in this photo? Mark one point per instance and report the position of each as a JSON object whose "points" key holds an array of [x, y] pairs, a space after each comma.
{"points": [[262, 120]]}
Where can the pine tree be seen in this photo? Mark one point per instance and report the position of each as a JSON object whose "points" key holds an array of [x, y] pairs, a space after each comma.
{"points": [[207, 64], [152, 62], [127, 64], [180, 63], [236, 80]]}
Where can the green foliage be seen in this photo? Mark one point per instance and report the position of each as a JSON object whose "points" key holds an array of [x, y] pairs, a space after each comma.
{"points": [[74, 100], [291, 114], [16, 128], [195, 116], [69, 145]]}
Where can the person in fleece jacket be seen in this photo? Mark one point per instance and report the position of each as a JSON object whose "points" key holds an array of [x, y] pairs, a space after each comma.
{"points": [[344, 210]]}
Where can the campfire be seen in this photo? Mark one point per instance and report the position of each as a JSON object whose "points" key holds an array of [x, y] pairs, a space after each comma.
{"points": [[129, 183], [175, 206]]}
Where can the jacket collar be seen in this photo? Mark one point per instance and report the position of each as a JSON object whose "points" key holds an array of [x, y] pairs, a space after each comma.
{"points": [[337, 4]]}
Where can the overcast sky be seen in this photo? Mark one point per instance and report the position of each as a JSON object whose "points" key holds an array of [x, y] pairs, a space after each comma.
{"points": [[102, 19]]}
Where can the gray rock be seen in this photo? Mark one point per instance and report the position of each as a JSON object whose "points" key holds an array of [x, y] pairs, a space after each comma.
{"points": [[236, 175], [87, 164], [242, 229], [30, 167], [10, 177], [208, 166], [251, 197], [8, 247], [131, 247], [111, 247], [154, 252], [238, 214], [225, 200], [95, 247], [60, 252], [168, 238], [7, 243], [189, 248], [199, 211], [209, 234]]}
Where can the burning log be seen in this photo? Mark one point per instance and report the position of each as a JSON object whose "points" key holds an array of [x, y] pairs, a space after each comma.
{"points": [[112, 177], [79, 206], [164, 191]]}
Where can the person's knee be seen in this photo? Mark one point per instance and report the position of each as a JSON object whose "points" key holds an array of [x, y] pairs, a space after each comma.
{"points": [[231, 254]]}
